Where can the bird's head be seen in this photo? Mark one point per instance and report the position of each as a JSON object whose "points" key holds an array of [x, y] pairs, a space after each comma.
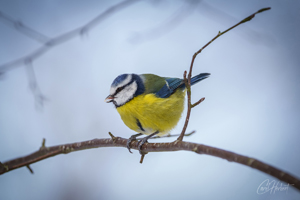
{"points": [[124, 88]]}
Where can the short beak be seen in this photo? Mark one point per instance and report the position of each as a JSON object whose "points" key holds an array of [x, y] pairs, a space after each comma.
{"points": [[109, 99]]}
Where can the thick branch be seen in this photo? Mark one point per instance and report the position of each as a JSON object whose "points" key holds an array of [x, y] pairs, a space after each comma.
{"points": [[46, 152]]}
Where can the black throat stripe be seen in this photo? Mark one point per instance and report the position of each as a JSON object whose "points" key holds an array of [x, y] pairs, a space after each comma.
{"points": [[139, 124]]}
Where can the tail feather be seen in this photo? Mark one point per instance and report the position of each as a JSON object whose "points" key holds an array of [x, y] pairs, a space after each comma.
{"points": [[199, 77]]}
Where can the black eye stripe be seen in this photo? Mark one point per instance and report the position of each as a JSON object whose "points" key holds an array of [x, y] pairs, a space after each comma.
{"points": [[119, 89]]}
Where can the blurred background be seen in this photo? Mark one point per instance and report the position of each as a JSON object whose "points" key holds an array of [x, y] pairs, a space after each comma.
{"points": [[251, 107]]}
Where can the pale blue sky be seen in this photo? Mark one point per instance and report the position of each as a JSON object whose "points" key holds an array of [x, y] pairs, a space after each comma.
{"points": [[251, 107]]}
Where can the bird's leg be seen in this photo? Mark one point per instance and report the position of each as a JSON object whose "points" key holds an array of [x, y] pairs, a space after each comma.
{"points": [[133, 137], [144, 140]]}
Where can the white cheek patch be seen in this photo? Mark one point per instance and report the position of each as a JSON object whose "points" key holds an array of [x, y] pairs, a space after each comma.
{"points": [[126, 94], [121, 84], [112, 90]]}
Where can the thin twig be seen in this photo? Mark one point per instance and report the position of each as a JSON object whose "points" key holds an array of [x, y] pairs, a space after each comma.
{"points": [[26, 30], [33, 85], [188, 82], [142, 157], [198, 102], [44, 153], [221, 33], [29, 168], [65, 37]]}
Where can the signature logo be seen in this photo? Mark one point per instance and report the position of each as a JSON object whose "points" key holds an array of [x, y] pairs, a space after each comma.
{"points": [[272, 187]]}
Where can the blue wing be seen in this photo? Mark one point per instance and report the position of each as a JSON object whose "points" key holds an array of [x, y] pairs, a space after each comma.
{"points": [[169, 88], [172, 84]]}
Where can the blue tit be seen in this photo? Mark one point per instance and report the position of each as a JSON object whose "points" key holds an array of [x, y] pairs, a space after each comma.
{"points": [[149, 104]]}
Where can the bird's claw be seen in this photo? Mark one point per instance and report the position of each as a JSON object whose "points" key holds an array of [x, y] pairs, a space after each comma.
{"points": [[132, 138], [141, 143], [129, 143]]}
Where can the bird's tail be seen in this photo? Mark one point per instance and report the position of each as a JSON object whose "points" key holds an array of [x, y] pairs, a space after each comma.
{"points": [[199, 77]]}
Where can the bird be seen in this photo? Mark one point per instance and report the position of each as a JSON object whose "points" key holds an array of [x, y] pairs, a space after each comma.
{"points": [[149, 104]]}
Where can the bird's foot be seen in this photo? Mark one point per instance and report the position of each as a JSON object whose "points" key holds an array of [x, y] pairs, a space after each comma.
{"points": [[132, 138], [143, 141]]}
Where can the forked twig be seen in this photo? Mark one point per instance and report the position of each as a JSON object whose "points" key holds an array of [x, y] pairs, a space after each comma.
{"points": [[26, 30], [49, 43], [187, 80]]}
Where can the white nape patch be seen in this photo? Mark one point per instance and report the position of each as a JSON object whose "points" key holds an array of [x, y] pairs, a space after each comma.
{"points": [[167, 84], [126, 94], [124, 82]]}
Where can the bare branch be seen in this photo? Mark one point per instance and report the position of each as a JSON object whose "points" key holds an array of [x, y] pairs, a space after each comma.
{"points": [[66, 36], [47, 152], [198, 102], [33, 85], [221, 33], [187, 80], [29, 168], [26, 30], [187, 83], [218, 15]]}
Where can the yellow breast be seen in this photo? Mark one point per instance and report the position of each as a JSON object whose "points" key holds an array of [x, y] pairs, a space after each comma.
{"points": [[147, 113]]}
